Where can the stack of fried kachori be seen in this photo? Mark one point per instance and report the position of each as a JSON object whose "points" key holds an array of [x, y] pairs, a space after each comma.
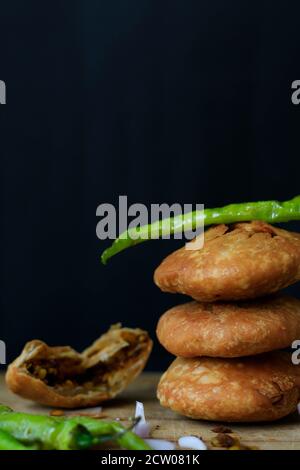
{"points": [[228, 366]]}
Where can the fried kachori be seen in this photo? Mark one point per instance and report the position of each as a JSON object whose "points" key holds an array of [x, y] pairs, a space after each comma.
{"points": [[230, 329], [260, 388], [64, 378], [238, 261]]}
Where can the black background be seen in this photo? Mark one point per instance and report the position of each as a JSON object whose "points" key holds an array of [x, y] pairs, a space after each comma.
{"points": [[162, 101]]}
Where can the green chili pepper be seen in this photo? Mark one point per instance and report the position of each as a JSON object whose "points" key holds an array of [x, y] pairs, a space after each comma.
{"points": [[45, 430], [5, 409], [104, 431], [267, 211], [8, 442], [76, 432]]}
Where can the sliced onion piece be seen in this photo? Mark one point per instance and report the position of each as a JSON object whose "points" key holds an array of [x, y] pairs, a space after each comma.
{"points": [[142, 428], [139, 410], [160, 444], [191, 442]]}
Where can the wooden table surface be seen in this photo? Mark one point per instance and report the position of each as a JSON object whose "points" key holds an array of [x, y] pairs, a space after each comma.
{"points": [[165, 424]]}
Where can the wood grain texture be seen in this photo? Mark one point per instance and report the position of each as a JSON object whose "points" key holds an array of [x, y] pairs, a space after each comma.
{"points": [[165, 424]]}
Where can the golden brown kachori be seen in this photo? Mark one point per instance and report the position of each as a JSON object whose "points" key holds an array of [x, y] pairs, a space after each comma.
{"points": [[238, 261]]}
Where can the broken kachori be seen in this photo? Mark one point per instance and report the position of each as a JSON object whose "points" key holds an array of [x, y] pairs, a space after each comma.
{"points": [[63, 378]]}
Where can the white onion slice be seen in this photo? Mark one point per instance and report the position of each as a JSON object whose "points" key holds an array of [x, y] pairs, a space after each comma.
{"points": [[142, 428], [160, 444], [191, 442], [139, 411]]}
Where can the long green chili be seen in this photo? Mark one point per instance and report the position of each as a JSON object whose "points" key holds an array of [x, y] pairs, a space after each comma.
{"points": [[44, 430], [267, 211], [8, 442], [65, 433], [124, 437]]}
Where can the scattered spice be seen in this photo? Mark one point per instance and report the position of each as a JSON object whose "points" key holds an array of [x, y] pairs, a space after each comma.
{"points": [[223, 440], [240, 446], [228, 442], [95, 412], [57, 413], [90, 415], [221, 429]]}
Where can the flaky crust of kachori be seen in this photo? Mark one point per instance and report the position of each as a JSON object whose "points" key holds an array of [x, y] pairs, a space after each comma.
{"points": [[238, 261], [230, 329], [63, 378], [260, 388]]}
